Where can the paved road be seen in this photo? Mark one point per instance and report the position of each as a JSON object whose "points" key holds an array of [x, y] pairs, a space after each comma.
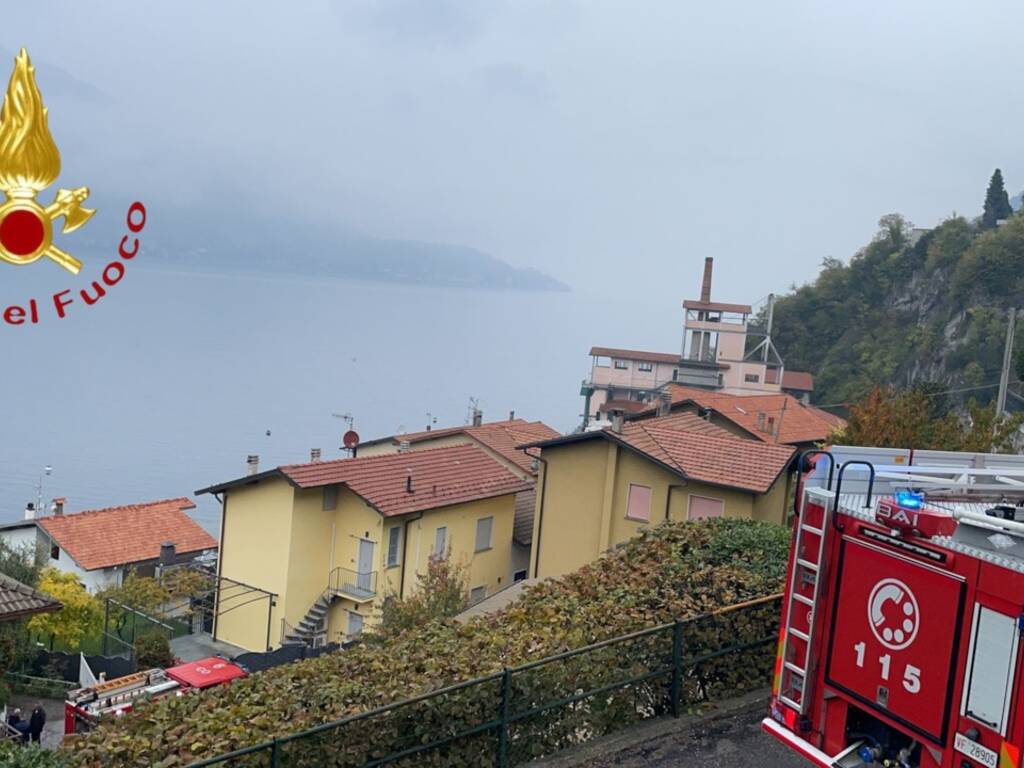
{"points": [[726, 743]]}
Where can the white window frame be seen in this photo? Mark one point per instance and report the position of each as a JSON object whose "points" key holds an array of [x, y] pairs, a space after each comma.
{"points": [[650, 502], [645, 367], [490, 534], [1011, 674], [444, 541], [396, 532], [689, 504]]}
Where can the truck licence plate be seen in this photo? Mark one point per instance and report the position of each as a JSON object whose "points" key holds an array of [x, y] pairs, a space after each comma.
{"points": [[975, 751]]}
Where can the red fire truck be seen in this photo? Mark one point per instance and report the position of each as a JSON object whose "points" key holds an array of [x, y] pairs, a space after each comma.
{"points": [[85, 706], [900, 637]]}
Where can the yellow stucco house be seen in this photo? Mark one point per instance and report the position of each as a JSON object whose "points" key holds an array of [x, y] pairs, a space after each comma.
{"points": [[500, 439], [598, 489], [331, 539]]}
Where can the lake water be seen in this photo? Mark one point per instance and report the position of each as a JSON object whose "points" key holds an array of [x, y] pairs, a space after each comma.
{"points": [[166, 384]]}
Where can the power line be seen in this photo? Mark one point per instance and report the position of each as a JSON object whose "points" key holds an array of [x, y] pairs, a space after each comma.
{"points": [[926, 394]]}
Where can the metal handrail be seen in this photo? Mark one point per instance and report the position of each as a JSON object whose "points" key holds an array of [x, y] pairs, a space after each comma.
{"points": [[348, 581]]}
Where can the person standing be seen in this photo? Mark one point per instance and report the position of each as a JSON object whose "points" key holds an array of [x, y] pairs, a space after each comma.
{"points": [[36, 722]]}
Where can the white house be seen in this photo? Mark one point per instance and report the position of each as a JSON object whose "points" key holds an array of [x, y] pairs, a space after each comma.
{"points": [[100, 546]]}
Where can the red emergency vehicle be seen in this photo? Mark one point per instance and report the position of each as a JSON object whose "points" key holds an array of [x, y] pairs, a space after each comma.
{"points": [[900, 637], [85, 706]]}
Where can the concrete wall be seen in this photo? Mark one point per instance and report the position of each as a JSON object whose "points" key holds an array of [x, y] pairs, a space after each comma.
{"points": [[586, 500]]}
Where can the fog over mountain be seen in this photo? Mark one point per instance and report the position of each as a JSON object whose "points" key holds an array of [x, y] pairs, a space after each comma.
{"points": [[587, 140]]}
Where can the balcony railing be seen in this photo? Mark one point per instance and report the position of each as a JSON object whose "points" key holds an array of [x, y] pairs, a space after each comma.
{"points": [[353, 584]]}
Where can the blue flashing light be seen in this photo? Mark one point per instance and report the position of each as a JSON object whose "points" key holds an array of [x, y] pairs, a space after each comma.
{"points": [[909, 499]]}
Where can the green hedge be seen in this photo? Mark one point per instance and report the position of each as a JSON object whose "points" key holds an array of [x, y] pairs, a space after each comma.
{"points": [[674, 570]]}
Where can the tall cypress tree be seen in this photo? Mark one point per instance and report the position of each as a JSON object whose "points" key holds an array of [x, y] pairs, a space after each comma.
{"points": [[997, 202]]}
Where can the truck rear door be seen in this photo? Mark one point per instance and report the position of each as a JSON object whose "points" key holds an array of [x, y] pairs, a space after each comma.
{"points": [[990, 679], [891, 647]]}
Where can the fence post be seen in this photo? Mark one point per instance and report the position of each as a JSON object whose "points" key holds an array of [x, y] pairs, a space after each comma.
{"points": [[506, 696], [677, 667], [274, 757]]}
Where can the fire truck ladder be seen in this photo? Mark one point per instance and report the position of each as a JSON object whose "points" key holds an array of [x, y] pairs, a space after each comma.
{"points": [[809, 550], [808, 568]]}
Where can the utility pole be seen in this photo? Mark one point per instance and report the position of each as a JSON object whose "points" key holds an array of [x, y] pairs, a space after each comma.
{"points": [[1004, 377]]}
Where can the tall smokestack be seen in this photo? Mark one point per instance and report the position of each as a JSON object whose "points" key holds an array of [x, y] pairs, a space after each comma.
{"points": [[705, 286]]}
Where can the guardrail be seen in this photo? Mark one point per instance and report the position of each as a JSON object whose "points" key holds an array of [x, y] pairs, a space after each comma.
{"points": [[353, 584], [536, 709]]}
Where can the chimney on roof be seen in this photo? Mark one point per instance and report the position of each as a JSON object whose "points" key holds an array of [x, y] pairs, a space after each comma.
{"points": [[617, 422], [253, 462], [58, 505], [167, 553], [478, 417], [314, 454], [664, 402], [408, 482], [512, 415], [761, 420], [705, 286], [30, 511]]}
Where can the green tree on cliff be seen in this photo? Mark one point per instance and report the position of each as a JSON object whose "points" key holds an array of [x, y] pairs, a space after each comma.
{"points": [[997, 202]]}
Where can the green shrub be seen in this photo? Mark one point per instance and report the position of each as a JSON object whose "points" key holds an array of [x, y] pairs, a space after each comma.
{"points": [[153, 650], [14, 755], [673, 570]]}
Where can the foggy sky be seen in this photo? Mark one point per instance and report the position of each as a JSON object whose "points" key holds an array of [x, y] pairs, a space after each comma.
{"points": [[613, 145]]}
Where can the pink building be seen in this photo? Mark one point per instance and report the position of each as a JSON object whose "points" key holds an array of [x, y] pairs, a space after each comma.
{"points": [[718, 353]]}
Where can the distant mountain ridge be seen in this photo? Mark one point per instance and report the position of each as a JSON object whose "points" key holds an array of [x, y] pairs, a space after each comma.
{"points": [[239, 240]]}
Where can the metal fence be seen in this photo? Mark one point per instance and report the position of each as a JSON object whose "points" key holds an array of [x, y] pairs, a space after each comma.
{"points": [[522, 713]]}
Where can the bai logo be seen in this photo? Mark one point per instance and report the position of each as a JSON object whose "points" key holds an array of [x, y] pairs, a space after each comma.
{"points": [[29, 163], [893, 614]]}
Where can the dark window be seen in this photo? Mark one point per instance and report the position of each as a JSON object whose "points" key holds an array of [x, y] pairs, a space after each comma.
{"points": [[330, 497], [519, 575], [646, 367], [752, 378], [394, 540], [55, 552], [622, 365]]}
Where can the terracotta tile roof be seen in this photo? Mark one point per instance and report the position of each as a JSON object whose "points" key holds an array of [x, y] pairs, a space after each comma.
{"points": [[502, 437], [634, 354], [440, 477], [626, 406], [688, 421], [799, 380], [18, 600], [713, 457], [102, 538], [792, 420], [727, 461]]}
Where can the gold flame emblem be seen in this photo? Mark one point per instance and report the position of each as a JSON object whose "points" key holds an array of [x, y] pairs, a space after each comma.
{"points": [[29, 163]]}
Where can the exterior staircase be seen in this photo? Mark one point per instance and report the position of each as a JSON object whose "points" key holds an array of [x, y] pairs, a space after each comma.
{"points": [[311, 625], [341, 582]]}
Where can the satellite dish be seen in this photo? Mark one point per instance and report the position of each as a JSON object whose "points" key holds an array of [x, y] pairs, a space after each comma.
{"points": [[350, 439]]}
